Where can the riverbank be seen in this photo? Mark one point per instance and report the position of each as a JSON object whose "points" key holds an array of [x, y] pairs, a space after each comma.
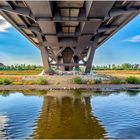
{"points": [[99, 87]]}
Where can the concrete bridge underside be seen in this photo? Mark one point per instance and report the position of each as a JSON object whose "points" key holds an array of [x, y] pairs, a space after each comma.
{"points": [[68, 32]]}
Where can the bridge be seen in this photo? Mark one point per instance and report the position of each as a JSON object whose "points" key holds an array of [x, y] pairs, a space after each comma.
{"points": [[68, 33]]}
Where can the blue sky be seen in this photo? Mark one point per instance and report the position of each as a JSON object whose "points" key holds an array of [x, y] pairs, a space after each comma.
{"points": [[123, 47]]}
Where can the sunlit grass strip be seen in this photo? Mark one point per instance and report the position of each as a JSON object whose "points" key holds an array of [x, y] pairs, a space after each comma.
{"points": [[38, 81], [20, 72]]}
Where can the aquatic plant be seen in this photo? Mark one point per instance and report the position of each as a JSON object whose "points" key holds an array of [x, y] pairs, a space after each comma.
{"points": [[132, 92], [5, 93]]}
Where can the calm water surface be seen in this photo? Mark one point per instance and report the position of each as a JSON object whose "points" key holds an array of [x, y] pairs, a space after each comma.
{"points": [[69, 114]]}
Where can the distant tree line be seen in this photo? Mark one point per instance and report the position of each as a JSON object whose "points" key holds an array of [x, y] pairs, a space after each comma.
{"points": [[20, 67], [125, 66]]}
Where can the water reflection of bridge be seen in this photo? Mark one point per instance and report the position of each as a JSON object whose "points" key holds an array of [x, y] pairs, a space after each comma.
{"points": [[67, 116]]}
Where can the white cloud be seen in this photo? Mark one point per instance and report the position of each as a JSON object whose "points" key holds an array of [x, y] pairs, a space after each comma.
{"points": [[133, 39], [4, 25]]}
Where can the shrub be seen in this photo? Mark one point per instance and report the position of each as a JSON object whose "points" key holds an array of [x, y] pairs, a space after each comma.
{"points": [[1, 82], [97, 81], [117, 81], [78, 80], [42, 81], [6, 82], [132, 80]]}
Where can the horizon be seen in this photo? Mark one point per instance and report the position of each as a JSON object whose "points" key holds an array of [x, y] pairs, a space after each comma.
{"points": [[119, 49]]}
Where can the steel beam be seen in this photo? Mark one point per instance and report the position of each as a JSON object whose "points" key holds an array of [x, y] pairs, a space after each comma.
{"points": [[31, 28], [27, 13], [100, 30], [105, 28], [119, 11], [63, 19], [17, 10], [60, 51]]}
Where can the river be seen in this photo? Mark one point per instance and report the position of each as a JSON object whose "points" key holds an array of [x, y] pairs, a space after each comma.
{"points": [[69, 114]]}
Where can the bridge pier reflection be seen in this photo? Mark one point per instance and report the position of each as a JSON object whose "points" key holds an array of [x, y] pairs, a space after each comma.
{"points": [[67, 115]]}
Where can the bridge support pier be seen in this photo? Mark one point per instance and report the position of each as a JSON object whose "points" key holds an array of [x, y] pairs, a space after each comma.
{"points": [[90, 57], [45, 59], [58, 61], [91, 52], [76, 61]]}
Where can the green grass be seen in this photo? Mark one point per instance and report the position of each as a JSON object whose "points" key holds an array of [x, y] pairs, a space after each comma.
{"points": [[116, 80], [78, 80], [42, 81]]}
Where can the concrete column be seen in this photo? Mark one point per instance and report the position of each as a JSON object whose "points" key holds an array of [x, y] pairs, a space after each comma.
{"points": [[91, 52], [62, 68], [58, 62], [76, 61], [90, 56], [45, 59]]}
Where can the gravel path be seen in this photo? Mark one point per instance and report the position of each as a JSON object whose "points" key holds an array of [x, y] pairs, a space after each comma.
{"points": [[99, 87]]}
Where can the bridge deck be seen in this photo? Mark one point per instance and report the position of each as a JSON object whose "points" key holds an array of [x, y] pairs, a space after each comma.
{"points": [[68, 32]]}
